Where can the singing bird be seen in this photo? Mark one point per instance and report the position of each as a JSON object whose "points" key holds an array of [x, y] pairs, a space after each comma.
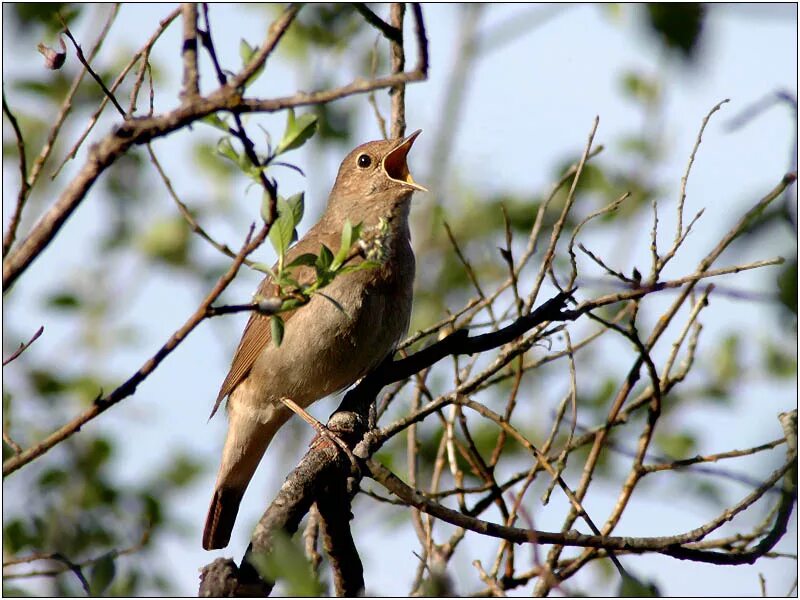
{"points": [[327, 346]]}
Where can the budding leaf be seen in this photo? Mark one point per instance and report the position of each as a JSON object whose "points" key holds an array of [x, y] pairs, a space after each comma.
{"points": [[350, 235], [225, 148], [296, 203], [101, 575], [324, 259], [298, 131], [246, 52], [216, 121]]}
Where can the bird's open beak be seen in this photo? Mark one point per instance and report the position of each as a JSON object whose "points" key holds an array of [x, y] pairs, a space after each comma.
{"points": [[396, 166]]}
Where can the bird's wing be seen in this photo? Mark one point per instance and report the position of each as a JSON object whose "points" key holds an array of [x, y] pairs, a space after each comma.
{"points": [[258, 331]]}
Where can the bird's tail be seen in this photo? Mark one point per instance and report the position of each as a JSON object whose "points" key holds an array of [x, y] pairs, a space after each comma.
{"points": [[245, 444]]}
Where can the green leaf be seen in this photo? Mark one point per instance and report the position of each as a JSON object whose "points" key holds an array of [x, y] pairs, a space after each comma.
{"points": [[225, 148], [246, 52], [640, 87], [102, 574], [276, 327], [306, 260], [282, 233], [292, 303], [182, 471], [215, 121], [167, 240], [350, 235], [296, 203], [787, 285], [298, 131], [364, 266], [264, 268], [324, 259]]}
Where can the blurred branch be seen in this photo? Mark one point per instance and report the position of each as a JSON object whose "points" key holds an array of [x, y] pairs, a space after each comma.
{"points": [[102, 403], [455, 95], [398, 92], [191, 83], [75, 567], [522, 23]]}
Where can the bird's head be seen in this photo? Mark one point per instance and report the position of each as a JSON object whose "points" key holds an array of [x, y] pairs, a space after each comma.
{"points": [[377, 172]]}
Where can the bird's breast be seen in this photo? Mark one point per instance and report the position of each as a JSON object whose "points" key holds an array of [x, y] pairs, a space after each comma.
{"points": [[341, 334]]}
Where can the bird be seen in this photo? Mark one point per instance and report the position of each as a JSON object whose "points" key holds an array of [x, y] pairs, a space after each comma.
{"points": [[333, 340]]}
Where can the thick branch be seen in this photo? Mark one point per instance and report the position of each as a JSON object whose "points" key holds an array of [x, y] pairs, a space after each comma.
{"points": [[191, 84], [337, 539]]}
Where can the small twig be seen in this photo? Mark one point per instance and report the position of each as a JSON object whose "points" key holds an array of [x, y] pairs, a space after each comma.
{"points": [[66, 105], [184, 210], [89, 69], [208, 44], [685, 178], [24, 188], [144, 55], [11, 443], [23, 347], [391, 32], [559, 225], [598, 213], [321, 429]]}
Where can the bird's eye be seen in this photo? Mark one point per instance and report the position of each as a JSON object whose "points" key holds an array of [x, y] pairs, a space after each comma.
{"points": [[364, 161]]}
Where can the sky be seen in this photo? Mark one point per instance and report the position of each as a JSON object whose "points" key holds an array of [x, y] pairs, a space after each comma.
{"points": [[529, 103]]}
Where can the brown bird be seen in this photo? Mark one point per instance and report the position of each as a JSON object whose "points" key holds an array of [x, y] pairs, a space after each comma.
{"points": [[325, 347]]}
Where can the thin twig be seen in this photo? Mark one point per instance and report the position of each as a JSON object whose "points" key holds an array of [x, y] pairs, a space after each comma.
{"points": [[89, 69], [103, 403], [24, 188], [66, 105], [23, 347]]}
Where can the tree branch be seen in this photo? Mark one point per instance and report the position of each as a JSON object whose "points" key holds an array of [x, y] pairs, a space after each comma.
{"points": [[143, 130], [102, 403]]}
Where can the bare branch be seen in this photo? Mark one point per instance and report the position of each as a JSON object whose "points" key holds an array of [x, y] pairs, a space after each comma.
{"points": [[89, 69], [23, 347], [24, 188], [191, 79]]}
